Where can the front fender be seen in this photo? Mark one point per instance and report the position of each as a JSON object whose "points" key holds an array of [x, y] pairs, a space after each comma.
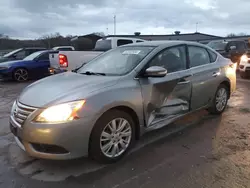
{"points": [[127, 95]]}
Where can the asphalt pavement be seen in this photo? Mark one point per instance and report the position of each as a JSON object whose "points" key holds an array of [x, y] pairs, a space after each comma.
{"points": [[197, 151]]}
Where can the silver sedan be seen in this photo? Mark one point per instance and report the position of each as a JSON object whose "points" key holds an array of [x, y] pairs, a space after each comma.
{"points": [[101, 109]]}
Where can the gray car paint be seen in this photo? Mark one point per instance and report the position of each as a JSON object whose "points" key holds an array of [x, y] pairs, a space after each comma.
{"points": [[156, 102]]}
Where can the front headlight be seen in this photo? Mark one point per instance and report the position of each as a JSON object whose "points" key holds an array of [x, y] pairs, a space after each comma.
{"points": [[60, 113], [244, 59]]}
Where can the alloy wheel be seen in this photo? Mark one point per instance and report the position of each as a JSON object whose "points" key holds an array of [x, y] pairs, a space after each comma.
{"points": [[21, 75], [221, 99], [115, 137]]}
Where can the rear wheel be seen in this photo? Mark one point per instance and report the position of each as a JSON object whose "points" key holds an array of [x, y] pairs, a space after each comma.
{"points": [[20, 75], [112, 136], [220, 100]]}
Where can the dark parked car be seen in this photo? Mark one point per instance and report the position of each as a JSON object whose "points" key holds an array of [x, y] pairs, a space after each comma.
{"points": [[19, 54], [232, 49], [33, 66]]}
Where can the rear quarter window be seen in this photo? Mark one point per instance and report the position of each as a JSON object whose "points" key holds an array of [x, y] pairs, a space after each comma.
{"points": [[212, 56], [121, 42]]}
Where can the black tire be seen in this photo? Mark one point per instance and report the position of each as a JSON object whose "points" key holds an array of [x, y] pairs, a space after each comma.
{"points": [[20, 75], [95, 151], [214, 109], [243, 75]]}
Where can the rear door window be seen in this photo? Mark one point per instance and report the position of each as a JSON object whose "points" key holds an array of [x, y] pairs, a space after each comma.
{"points": [[198, 56], [212, 55], [121, 42]]}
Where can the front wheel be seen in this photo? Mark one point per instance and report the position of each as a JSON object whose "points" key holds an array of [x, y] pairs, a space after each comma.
{"points": [[112, 136], [220, 100], [20, 75]]}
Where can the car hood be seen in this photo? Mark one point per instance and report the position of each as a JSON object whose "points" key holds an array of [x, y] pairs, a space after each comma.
{"points": [[62, 88]]}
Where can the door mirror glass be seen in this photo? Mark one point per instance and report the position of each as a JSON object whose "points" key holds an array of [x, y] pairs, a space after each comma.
{"points": [[155, 71]]}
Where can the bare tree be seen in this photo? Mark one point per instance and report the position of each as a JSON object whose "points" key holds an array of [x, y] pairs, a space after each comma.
{"points": [[236, 35]]}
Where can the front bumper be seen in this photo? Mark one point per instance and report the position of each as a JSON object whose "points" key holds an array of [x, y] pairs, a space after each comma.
{"points": [[53, 141], [244, 68]]}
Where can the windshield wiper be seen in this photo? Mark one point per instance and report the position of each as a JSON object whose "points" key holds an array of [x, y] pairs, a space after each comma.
{"points": [[93, 73], [75, 70]]}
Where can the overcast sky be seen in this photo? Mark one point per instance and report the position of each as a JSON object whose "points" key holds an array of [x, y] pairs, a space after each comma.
{"points": [[33, 18]]}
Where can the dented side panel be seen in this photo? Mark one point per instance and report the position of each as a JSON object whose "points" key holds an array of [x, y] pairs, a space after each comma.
{"points": [[165, 98]]}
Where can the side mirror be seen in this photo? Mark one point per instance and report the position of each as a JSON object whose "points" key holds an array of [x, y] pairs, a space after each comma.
{"points": [[155, 71], [232, 48]]}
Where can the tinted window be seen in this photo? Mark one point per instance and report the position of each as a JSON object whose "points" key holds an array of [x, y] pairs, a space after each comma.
{"points": [[241, 46], [123, 42], [44, 57], [20, 55], [139, 41], [198, 56], [11, 53], [65, 49], [172, 59], [212, 55], [31, 51], [103, 45], [217, 45], [33, 55]]}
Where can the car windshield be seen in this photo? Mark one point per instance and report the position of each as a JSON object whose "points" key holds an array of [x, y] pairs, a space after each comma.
{"points": [[117, 62], [217, 45], [12, 52], [33, 55]]}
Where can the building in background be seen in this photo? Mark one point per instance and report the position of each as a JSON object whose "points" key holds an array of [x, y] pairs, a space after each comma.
{"points": [[197, 37]]}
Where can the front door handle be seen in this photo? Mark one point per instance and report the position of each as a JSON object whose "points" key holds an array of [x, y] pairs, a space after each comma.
{"points": [[184, 82]]}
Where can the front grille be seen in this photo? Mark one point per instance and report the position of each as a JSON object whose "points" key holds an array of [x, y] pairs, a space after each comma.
{"points": [[21, 112], [50, 149]]}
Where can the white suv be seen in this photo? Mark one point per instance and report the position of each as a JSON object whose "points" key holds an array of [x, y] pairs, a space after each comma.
{"points": [[244, 66]]}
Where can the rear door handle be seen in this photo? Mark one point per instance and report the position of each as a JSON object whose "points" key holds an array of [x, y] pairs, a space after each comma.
{"points": [[215, 74]]}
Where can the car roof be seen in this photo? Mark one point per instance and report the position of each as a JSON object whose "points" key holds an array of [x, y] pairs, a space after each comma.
{"points": [[166, 43], [46, 51], [42, 48]]}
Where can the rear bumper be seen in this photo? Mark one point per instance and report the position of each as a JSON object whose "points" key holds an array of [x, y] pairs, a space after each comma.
{"points": [[53, 71]]}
